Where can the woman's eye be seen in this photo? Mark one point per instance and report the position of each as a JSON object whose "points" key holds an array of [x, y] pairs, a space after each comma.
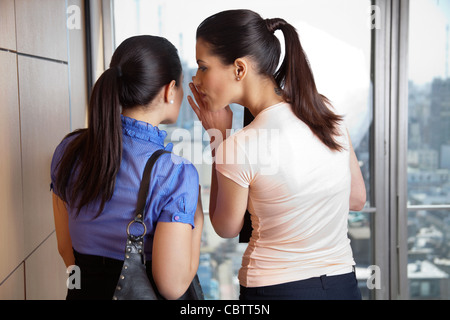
{"points": [[202, 69]]}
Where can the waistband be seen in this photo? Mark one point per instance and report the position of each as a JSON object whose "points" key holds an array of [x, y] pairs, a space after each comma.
{"points": [[343, 270], [324, 282], [93, 260]]}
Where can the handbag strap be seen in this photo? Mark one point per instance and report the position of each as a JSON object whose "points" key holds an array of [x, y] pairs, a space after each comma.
{"points": [[143, 192]]}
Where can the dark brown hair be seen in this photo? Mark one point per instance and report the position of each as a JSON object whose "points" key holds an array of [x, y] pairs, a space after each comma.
{"points": [[139, 68], [235, 34]]}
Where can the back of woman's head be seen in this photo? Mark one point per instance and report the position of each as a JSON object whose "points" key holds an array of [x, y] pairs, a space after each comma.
{"points": [[143, 65], [235, 34], [140, 67]]}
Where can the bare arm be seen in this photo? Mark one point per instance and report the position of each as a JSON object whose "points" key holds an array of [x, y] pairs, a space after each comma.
{"points": [[228, 203], [62, 231], [176, 254], [358, 188]]}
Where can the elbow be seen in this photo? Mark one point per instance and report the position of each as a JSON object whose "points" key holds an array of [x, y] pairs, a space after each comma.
{"points": [[226, 234], [358, 201], [172, 283], [173, 289], [172, 293], [226, 229]]}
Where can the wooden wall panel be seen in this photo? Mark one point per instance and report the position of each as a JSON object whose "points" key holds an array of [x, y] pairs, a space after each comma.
{"points": [[43, 95], [45, 273], [7, 25], [78, 73], [44, 107], [41, 28], [11, 217], [13, 288]]}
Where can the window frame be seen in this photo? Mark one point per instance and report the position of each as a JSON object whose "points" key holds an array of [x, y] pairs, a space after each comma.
{"points": [[390, 80]]}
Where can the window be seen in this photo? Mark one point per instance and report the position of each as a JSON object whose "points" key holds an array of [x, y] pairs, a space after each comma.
{"points": [[429, 150], [336, 36]]}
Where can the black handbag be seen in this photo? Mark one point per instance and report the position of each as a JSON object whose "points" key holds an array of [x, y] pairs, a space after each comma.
{"points": [[134, 282]]}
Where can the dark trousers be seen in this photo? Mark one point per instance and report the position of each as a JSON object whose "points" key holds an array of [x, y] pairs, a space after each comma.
{"points": [[339, 287]]}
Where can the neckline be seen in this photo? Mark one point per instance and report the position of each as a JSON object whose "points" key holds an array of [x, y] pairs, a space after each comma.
{"points": [[142, 130], [279, 104]]}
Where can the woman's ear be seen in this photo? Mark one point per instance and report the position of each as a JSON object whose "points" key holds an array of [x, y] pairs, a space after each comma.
{"points": [[169, 92], [241, 68]]}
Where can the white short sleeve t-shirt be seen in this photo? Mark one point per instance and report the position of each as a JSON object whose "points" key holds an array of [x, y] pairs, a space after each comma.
{"points": [[299, 193]]}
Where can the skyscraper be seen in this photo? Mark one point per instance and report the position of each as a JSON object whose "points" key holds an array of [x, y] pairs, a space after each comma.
{"points": [[440, 114]]}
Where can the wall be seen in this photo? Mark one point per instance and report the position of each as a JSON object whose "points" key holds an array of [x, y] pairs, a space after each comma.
{"points": [[43, 96]]}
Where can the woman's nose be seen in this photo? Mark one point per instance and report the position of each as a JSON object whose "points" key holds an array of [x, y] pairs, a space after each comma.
{"points": [[195, 81]]}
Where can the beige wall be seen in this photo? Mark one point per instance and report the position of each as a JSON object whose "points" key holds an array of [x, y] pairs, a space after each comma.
{"points": [[43, 96]]}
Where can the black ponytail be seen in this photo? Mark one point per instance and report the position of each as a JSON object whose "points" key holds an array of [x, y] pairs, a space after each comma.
{"points": [[235, 34], [139, 68]]}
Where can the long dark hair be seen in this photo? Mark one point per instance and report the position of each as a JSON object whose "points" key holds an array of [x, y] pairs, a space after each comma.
{"points": [[139, 68], [235, 34]]}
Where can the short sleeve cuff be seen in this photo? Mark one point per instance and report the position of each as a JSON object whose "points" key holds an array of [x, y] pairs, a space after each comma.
{"points": [[222, 169], [228, 163], [177, 217]]}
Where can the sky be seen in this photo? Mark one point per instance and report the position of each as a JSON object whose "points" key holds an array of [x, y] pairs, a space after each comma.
{"points": [[428, 39]]}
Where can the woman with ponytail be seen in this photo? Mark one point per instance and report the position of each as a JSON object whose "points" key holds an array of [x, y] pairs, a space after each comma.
{"points": [[96, 173], [293, 167]]}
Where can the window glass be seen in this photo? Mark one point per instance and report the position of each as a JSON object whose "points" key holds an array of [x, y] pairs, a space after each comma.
{"points": [[429, 149], [360, 235], [336, 36]]}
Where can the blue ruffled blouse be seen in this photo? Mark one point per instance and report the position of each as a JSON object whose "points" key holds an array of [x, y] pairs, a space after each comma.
{"points": [[172, 197]]}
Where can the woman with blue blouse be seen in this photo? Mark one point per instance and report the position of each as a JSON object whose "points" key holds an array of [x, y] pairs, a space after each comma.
{"points": [[96, 174]]}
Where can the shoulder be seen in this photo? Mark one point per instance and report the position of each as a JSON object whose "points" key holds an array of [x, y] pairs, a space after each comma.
{"points": [[175, 162], [62, 146], [67, 139], [241, 137], [176, 170]]}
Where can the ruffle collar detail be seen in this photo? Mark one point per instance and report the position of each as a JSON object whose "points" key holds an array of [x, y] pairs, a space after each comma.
{"points": [[142, 130]]}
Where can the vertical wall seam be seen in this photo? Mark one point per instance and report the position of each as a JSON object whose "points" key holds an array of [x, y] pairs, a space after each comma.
{"points": [[68, 69]]}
